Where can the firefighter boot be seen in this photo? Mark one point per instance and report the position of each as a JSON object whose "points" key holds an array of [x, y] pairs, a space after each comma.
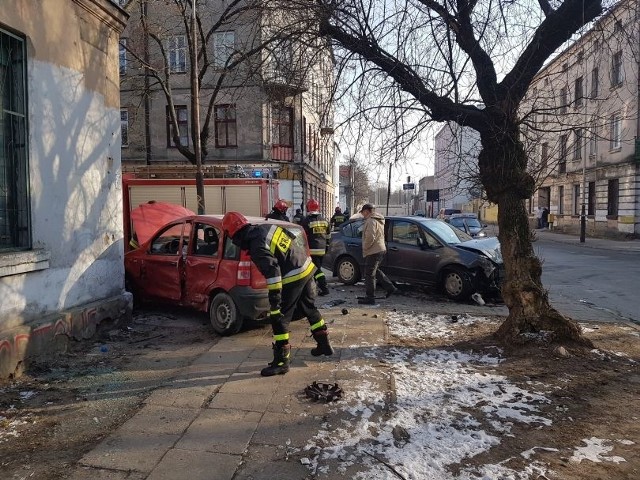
{"points": [[321, 281], [324, 347], [280, 364]]}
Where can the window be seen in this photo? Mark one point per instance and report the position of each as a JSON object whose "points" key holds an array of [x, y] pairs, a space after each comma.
{"points": [[124, 127], [591, 201], [595, 83], [545, 156], [563, 100], [282, 130], [15, 229], [562, 164], [614, 131], [405, 232], [616, 69], [226, 129], [613, 193], [576, 199], [577, 146], [177, 54], [183, 126], [207, 240], [593, 140], [560, 199], [223, 48], [578, 91], [122, 54]]}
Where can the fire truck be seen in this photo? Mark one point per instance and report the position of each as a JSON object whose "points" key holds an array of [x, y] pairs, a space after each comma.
{"points": [[250, 196]]}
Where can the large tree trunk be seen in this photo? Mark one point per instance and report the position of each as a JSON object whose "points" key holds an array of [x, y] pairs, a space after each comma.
{"points": [[503, 171]]}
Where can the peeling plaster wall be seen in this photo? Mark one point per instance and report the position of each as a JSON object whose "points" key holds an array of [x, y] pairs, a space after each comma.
{"points": [[74, 157]]}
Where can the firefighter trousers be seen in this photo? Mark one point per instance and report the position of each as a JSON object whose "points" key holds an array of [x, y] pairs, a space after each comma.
{"points": [[298, 301]]}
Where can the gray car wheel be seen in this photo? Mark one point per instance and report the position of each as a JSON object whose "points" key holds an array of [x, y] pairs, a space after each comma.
{"points": [[224, 315], [456, 283], [348, 271]]}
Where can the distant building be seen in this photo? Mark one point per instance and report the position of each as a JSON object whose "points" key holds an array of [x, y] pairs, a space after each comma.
{"points": [[583, 129], [456, 152]]}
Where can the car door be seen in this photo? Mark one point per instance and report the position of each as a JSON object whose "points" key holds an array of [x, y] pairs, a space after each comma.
{"points": [[352, 238], [202, 263], [162, 272], [409, 256]]}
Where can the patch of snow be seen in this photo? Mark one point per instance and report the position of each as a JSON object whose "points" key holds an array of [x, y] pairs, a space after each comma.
{"points": [[528, 453], [594, 451], [449, 406], [626, 442], [27, 395]]}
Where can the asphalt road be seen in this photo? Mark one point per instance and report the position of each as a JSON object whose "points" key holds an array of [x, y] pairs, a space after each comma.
{"points": [[589, 283]]}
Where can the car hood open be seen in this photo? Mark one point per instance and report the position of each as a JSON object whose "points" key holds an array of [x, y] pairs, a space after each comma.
{"points": [[147, 218], [489, 246]]}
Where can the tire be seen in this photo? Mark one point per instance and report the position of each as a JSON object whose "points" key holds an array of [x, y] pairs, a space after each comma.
{"points": [[348, 271], [224, 315], [456, 283]]}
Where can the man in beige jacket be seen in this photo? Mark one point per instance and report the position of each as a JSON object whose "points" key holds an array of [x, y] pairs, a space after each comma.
{"points": [[373, 251]]}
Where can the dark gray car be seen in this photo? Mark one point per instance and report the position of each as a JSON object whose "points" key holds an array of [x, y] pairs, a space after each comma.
{"points": [[422, 251]]}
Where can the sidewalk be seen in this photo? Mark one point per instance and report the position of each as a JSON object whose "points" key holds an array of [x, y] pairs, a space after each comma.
{"points": [[219, 419], [590, 242]]}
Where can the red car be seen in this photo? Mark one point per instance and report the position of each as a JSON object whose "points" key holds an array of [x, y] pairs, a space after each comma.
{"points": [[190, 262]]}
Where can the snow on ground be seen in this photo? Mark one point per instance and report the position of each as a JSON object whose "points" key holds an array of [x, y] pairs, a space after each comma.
{"points": [[449, 406], [595, 450]]}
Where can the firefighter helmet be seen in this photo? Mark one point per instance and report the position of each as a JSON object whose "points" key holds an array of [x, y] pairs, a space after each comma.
{"points": [[313, 206], [281, 206], [232, 222]]}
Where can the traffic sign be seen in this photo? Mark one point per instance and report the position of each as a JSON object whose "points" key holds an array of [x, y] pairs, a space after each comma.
{"points": [[408, 186]]}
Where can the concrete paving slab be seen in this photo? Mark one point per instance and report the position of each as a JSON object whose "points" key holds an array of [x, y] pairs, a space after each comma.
{"points": [[251, 384], [286, 429], [130, 451], [186, 464], [255, 402], [84, 473], [269, 463], [221, 431], [160, 420], [183, 397]]}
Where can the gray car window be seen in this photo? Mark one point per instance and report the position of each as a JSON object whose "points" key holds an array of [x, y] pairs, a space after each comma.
{"points": [[447, 233], [405, 232]]}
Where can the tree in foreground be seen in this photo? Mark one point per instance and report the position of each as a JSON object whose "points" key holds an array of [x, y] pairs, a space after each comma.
{"points": [[470, 63]]}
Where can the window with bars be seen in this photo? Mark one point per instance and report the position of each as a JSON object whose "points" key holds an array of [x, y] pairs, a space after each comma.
{"points": [[226, 126], [182, 116], [177, 53], [15, 227], [223, 48], [124, 126]]}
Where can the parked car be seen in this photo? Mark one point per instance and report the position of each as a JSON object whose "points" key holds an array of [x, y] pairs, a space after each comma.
{"points": [[190, 262], [469, 223], [445, 213], [422, 251]]}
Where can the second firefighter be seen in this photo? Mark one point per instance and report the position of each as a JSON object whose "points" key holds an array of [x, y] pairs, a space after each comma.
{"points": [[317, 229]]}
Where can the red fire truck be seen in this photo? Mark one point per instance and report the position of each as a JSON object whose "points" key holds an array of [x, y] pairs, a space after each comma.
{"points": [[250, 196]]}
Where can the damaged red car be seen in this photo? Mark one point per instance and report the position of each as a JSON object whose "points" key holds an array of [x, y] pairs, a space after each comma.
{"points": [[190, 262]]}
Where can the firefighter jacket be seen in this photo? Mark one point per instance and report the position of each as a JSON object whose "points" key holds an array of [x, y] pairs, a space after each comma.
{"points": [[316, 228], [337, 220], [279, 258], [276, 215]]}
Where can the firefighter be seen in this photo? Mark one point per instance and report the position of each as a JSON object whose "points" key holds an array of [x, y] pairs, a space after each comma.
{"points": [[289, 272], [279, 211], [297, 218], [338, 219], [317, 229]]}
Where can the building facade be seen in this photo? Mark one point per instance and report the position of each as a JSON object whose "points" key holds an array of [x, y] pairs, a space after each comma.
{"points": [[456, 152], [263, 98], [61, 250], [581, 125]]}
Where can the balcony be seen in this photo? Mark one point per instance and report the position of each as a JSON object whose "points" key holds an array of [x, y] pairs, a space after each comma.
{"points": [[285, 81]]}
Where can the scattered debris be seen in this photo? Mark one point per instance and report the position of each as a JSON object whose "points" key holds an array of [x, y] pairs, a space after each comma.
{"points": [[476, 297], [345, 311]]}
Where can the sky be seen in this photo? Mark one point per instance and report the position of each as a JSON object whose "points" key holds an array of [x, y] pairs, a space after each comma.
{"points": [[431, 426]]}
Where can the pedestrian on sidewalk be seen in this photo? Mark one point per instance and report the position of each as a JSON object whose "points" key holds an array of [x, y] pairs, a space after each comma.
{"points": [[373, 251], [317, 229], [539, 217], [289, 272]]}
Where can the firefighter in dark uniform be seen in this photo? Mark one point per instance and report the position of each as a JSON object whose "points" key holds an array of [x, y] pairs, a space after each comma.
{"points": [[338, 219], [279, 211], [289, 272], [297, 218], [317, 229]]}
